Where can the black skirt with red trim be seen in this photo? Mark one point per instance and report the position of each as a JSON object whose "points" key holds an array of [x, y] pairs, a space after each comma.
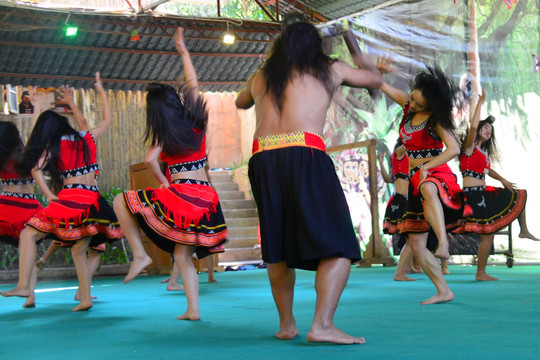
{"points": [[394, 213], [450, 194], [79, 212], [167, 226], [492, 209], [15, 211]]}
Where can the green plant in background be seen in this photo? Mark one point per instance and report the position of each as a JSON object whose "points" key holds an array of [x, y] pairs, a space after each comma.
{"points": [[111, 194]]}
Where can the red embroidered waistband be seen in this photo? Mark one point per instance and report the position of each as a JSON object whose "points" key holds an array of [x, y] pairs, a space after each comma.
{"points": [[300, 138]]}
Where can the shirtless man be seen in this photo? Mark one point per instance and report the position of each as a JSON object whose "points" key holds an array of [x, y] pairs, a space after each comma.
{"points": [[304, 218]]}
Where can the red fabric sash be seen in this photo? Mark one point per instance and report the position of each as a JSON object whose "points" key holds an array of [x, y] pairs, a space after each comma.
{"points": [[14, 213], [186, 204], [72, 206]]}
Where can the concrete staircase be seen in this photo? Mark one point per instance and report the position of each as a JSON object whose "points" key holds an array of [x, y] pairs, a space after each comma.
{"points": [[242, 221]]}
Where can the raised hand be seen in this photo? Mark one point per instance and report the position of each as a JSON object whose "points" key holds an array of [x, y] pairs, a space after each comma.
{"points": [[384, 65], [98, 85], [179, 41], [66, 95]]}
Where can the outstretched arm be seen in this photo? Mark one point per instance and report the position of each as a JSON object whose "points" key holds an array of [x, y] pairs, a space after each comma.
{"points": [[244, 100], [355, 77], [152, 163], [507, 184], [67, 98], [104, 125], [384, 65], [189, 70], [471, 135]]}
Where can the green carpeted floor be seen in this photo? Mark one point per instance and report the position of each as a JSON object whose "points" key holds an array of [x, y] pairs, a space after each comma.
{"points": [[487, 320]]}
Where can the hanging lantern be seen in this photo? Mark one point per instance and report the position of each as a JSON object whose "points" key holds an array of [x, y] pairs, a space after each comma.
{"points": [[134, 36]]}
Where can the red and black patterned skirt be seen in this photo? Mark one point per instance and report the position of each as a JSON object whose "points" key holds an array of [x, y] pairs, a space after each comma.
{"points": [[187, 213], [492, 209], [15, 211], [394, 213], [79, 212], [450, 195]]}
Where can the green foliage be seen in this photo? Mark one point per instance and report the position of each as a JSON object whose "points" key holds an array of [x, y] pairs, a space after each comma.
{"points": [[111, 194], [234, 9]]}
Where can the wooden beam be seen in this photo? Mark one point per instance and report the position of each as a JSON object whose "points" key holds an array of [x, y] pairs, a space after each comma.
{"points": [[128, 51], [122, 81]]}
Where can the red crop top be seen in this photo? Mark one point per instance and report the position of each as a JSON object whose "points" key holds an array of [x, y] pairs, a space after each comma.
{"points": [[71, 160], [476, 165], [420, 142], [9, 176], [186, 162], [400, 168]]}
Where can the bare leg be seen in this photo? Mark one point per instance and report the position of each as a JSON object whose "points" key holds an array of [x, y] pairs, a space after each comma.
{"points": [[282, 281], [173, 284], [51, 250], [331, 278], [405, 258], [433, 211], [415, 268], [524, 230], [182, 259], [78, 251], [431, 267], [27, 258], [94, 258], [31, 300], [210, 266], [486, 241], [444, 267], [131, 229]]}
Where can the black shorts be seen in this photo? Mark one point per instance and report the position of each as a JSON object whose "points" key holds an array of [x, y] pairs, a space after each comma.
{"points": [[303, 214]]}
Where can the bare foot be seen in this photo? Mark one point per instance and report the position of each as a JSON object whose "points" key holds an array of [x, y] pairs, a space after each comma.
{"points": [[439, 298], [402, 277], [30, 302], [485, 277], [78, 296], [332, 335], [287, 334], [83, 306], [40, 264], [212, 279], [16, 292], [189, 315], [445, 271], [165, 281], [528, 235], [136, 267], [174, 287]]}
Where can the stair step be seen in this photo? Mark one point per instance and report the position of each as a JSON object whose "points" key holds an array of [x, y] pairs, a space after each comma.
{"points": [[225, 186], [220, 177], [242, 231], [248, 242], [239, 213], [242, 221], [231, 195], [237, 204], [240, 254]]}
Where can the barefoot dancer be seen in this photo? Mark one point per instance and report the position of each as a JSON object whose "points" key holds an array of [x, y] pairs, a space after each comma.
{"points": [[79, 215], [304, 218], [184, 216], [492, 208], [435, 200], [17, 200], [94, 257]]}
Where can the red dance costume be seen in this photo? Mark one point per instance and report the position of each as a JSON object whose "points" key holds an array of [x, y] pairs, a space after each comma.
{"points": [[187, 212], [492, 208], [15, 208], [422, 142], [397, 203], [80, 210]]}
